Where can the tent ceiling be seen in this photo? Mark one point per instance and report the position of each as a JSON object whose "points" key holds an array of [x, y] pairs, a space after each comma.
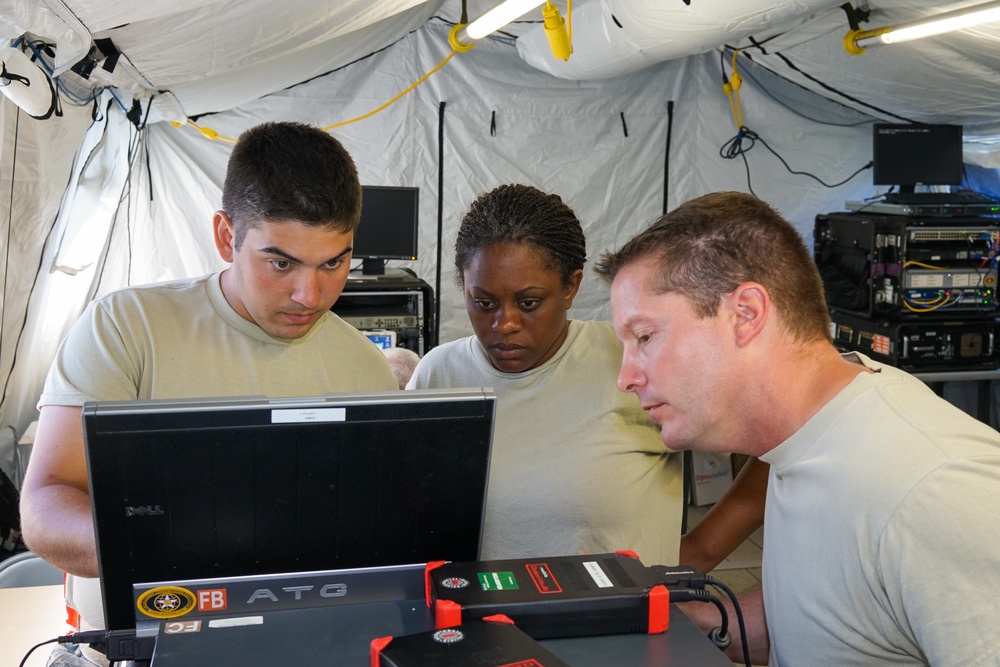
{"points": [[199, 56]]}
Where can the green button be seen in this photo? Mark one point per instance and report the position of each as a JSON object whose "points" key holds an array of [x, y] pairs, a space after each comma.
{"points": [[497, 581]]}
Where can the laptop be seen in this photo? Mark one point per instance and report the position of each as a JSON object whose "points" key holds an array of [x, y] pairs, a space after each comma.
{"points": [[255, 487]]}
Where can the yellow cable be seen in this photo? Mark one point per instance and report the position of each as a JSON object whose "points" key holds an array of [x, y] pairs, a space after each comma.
{"points": [[569, 21], [731, 88], [408, 89], [914, 262], [207, 131], [212, 134]]}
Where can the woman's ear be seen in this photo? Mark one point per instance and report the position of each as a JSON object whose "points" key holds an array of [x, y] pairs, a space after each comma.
{"points": [[572, 287]]}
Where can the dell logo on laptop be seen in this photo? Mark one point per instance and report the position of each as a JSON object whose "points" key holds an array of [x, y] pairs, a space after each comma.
{"points": [[144, 510]]}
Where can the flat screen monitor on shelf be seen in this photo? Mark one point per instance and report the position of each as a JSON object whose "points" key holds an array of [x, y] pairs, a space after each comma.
{"points": [[916, 154], [388, 227]]}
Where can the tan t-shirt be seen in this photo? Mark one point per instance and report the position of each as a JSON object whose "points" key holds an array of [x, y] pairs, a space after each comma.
{"points": [[577, 466], [183, 340]]}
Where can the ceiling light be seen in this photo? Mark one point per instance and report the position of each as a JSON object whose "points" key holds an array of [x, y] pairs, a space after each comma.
{"points": [[491, 21], [857, 40]]}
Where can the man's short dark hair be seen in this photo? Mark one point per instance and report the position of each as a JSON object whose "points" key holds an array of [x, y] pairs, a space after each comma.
{"points": [[707, 247], [290, 171]]}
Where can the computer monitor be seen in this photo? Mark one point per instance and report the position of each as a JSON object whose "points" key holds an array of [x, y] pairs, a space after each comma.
{"points": [[388, 227], [223, 487], [916, 154]]}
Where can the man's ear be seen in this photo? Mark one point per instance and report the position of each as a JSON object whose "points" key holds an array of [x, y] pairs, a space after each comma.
{"points": [[752, 306], [225, 235]]}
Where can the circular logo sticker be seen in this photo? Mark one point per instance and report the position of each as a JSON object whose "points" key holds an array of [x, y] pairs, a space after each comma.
{"points": [[455, 582], [448, 636], [166, 602]]}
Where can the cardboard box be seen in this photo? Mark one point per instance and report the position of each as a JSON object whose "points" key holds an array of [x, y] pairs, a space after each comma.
{"points": [[711, 476]]}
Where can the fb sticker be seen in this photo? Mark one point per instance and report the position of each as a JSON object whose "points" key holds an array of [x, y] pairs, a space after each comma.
{"points": [[212, 599]]}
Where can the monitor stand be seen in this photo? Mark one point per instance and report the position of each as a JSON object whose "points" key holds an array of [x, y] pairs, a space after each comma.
{"points": [[373, 266]]}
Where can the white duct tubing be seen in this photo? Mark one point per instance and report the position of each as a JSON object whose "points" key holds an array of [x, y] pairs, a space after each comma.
{"points": [[614, 37]]}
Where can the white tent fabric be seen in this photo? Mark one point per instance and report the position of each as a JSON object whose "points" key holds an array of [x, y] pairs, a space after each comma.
{"points": [[615, 37], [92, 206], [601, 146], [804, 42]]}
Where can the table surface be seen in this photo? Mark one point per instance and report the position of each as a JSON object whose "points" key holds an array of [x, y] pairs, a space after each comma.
{"points": [[32, 615], [29, 616]]}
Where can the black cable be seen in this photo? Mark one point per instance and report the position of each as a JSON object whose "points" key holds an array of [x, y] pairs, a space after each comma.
{"points": [[739, 615], [735, 148], [10, 225], [666, 154], [24, 660], [440, 230]]}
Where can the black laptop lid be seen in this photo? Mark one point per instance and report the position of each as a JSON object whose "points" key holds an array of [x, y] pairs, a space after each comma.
{"points": [[184, 489]]}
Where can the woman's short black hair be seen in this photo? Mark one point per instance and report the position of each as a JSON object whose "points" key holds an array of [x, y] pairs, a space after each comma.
{"points": [[521, 214]]}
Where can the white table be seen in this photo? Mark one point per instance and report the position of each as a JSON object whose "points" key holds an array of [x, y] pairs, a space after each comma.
{"points": [[29, 616]]}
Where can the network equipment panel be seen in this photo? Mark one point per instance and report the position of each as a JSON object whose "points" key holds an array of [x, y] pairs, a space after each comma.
{"points": [[907, 267], [924, 345], [397, 302]]}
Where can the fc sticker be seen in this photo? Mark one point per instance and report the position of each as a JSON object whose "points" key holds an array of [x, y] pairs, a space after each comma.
{"points": [[166, 602]]}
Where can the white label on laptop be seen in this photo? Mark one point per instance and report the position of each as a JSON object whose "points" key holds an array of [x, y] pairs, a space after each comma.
{"points": [[308, 415], [597, 574], [236, 622]]}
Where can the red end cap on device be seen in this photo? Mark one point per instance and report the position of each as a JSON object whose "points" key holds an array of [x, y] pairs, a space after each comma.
{"points": [[377, 645], [430, 567], [447, 614], [628, 553], [498, 618], [659, 609]]}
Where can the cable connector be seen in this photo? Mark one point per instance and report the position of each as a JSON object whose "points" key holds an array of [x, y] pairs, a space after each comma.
{"points": [[680, 576], [555, 30], [116, 645]]}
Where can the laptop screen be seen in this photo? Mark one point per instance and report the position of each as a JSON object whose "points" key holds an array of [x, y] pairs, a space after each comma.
{"points": [[184, 489]]}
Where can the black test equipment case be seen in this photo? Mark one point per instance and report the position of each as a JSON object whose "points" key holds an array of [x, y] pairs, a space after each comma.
{"points": [[918, 292], [396, 301]]}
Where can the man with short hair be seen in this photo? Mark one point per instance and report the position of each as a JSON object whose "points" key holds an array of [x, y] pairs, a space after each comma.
{"points": [[880, 529], [263, 326]]}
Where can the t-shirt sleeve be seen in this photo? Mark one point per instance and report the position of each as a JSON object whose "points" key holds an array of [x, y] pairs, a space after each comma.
{"points": [[419, 379], [939, 566], [92, 363]]}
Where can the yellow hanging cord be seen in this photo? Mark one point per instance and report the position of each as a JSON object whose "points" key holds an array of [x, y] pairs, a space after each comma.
{"points": [[569, 21], [735, 81], [213, 135], [207, 131], [408, 89]]}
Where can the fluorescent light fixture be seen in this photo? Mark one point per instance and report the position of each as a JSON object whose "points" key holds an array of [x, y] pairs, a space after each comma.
{"points": [[856, 40], [494, 19]]}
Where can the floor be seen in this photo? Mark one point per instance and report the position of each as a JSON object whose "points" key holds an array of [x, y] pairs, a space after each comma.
{"points": [[741, 570]]}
